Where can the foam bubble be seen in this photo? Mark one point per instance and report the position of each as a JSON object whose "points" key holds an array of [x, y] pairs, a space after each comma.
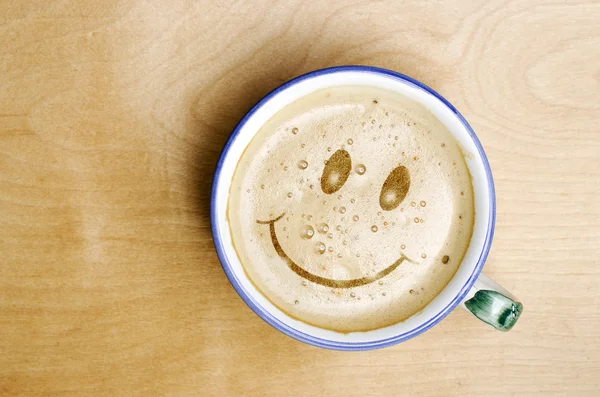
{"points": [[307, 232], [320, 248], [323, 228]]}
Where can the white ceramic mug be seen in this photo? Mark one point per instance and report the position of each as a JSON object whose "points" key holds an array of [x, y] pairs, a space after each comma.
{"points": [[468, 288]]}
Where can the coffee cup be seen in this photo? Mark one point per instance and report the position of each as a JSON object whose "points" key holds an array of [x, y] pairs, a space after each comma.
{"points": [[468, 287]]}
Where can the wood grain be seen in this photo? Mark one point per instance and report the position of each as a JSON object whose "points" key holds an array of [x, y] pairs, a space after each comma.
{"points": [[113, 113]]}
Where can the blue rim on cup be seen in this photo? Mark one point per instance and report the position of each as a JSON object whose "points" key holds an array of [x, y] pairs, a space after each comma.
{"points": [[342, 345]]}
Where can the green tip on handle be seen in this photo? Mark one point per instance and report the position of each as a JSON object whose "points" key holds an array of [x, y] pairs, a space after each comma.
{"points": [[495, 309]]}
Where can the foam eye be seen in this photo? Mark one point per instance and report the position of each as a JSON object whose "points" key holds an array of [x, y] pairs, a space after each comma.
{"points": [[395, 188], [336, 172]]}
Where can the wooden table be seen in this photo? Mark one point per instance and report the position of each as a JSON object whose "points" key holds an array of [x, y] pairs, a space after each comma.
{"points": [[113, 113]]}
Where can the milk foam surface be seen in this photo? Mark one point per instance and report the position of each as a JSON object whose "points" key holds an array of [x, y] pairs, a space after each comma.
{"points": [[306, 205]]}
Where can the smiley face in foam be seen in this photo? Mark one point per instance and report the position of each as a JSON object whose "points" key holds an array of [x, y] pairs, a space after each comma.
{"points": [[335, 173], [351, 208]]}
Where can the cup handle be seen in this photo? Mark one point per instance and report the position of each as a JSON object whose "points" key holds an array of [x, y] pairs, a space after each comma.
{"points": [[492, 304]]}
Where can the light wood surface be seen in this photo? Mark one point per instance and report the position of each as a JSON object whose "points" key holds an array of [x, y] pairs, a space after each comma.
{"points": [[113, 113]]}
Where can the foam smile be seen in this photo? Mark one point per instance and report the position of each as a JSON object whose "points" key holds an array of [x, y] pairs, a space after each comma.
{"points": [[328, 282]]}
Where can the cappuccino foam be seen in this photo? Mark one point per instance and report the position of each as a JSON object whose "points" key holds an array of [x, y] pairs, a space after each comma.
{"points": [[351, 208]]}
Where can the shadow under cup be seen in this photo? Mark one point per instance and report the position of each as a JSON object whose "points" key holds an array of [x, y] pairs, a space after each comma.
{"points": [[484, 199]]}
